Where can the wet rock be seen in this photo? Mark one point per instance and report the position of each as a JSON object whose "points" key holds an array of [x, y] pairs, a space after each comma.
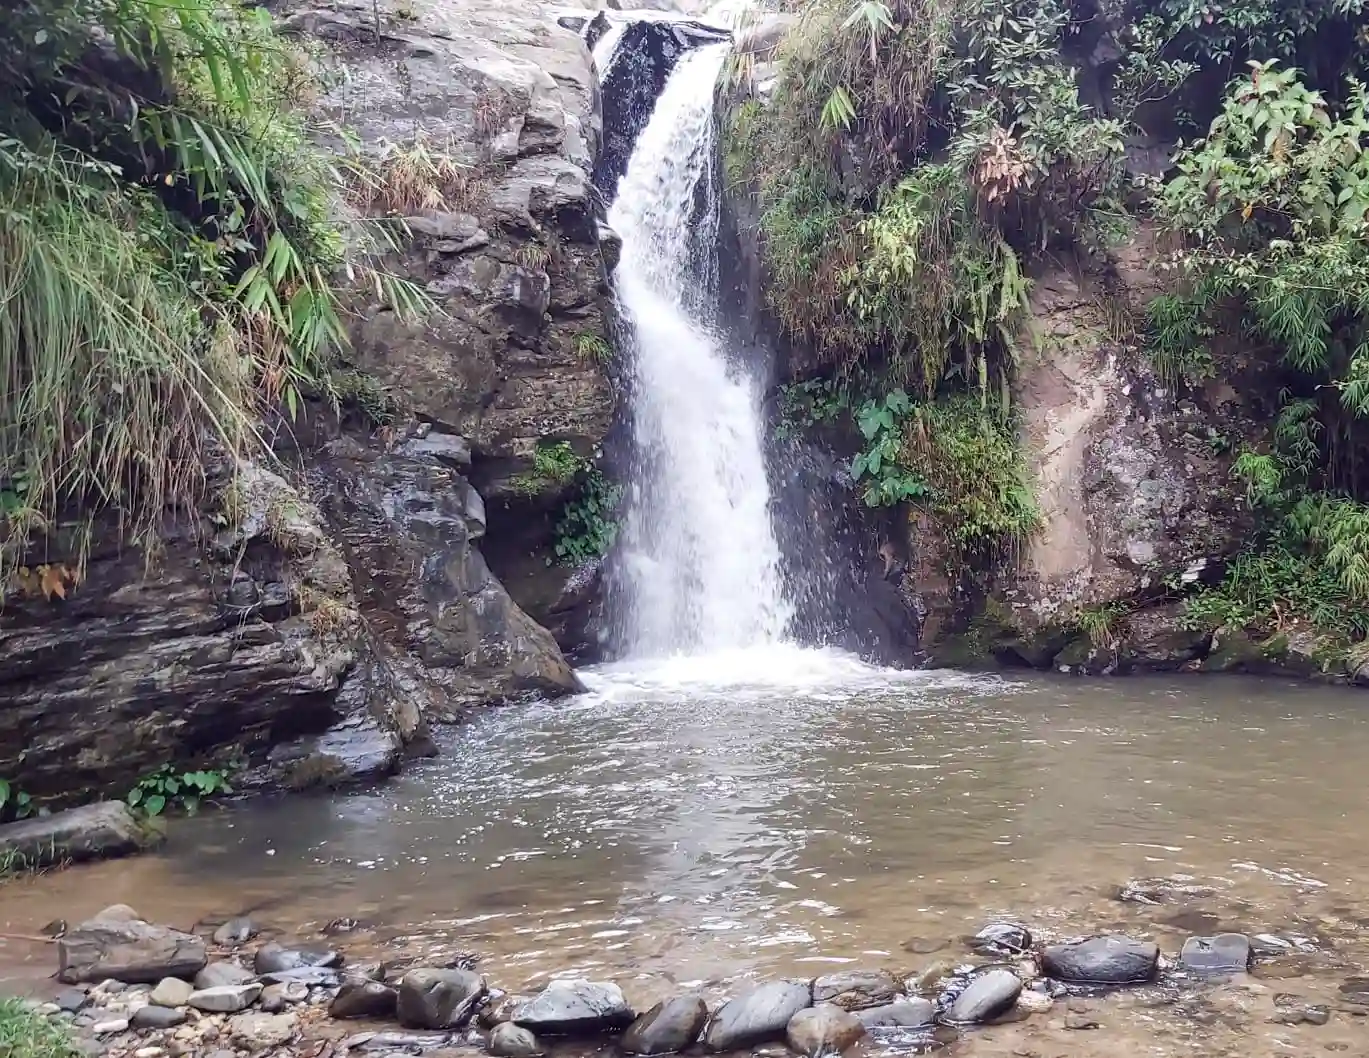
{"points": [[71, 999], [1002, 938], [667, 1027], [986, 997], [761, 1014], [857, 989], [260, 1032], [273, 958], [396, 1041], [438, 999], [365, 999], [1225, 953], [903, 1013], [309, 976], [221, 974], [513, 1041], [567, 1007], [502, 1009], [234, 932], [1032, 1002], [113, 945], [275, 998], [1267, 945], [1111, 960], [171, 992], [224, 999], [156, 1017], [96, 831], [1162, 890], [823, 1029], [929, 979]]}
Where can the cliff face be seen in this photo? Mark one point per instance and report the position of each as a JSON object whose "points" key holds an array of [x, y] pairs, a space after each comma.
{"points": [[307, 627]]}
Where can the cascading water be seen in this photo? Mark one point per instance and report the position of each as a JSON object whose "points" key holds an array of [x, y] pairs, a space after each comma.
{"points": [[698, 568]]}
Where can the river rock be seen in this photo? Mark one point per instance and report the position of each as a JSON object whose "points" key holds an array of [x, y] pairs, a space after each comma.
{"points": [[71, 999], [96, 831], [571, 1007], [1033, 1002], [309, 976], [513, 1041], [155, 1017], [260, 1032], [110, 1026], [438, 999], [1002, 938], [364, 999], [986, 997], [234, 932], [903, 1013], [171, 992], [857, 989], [502, 1009], [220, 974], [112, 945], [275, 998], [760, 1014], [823, 1029], [273, 958], [411, 1042], [1225, 953], [667, 1027], [1111, 960], [224, 999]]}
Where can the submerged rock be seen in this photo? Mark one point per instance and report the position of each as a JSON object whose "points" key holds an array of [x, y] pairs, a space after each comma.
{"points": [[438, 999], [567, 1007], [857, 989], [115, 945], [364, 999], [1110, 960], [1002, 938], [513, 1041], [986, 997], [904, 1013], [234, 932], [274, 958], [1223, 954], [761, 1014], [667, 1027], [822, 1030]]}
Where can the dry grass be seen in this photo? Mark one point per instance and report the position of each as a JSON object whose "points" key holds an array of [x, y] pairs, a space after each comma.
{"points": [[403, 179]]}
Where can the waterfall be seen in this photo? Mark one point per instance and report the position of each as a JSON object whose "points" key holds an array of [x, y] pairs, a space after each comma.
{"points": [[698, 565]]}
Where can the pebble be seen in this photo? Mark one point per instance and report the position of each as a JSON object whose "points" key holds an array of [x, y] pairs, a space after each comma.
{"points": [[1034, 1002], [1080, 1021], [149, 1052], [102, 1028]]}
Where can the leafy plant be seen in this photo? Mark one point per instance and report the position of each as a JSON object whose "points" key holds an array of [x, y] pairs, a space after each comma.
{"points": [[593, 347], [14, 802], [555, 464], [814, 402], [588, 524], [886, 482], [167, 788]]}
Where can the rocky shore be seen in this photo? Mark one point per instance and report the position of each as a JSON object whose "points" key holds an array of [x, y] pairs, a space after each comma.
{"points": [[131, 988]]}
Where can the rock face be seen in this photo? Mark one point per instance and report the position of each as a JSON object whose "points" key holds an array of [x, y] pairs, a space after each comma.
{"points": [[573, 1007], [97, 831], [1102, 961], [114, 945], [761, 1014], [822, 1030], [667, 1027]]}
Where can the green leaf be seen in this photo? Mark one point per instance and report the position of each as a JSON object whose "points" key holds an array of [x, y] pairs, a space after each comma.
{"points": [[154, 804]]}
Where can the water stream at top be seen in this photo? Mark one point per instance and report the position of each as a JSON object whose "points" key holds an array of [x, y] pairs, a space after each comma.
{"points": [[699, 565]]}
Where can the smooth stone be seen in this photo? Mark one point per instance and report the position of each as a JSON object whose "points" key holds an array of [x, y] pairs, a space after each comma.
{"points": [[571, 1007], [316, 976], [986, 997], [513, 1041], [224, 999], [275, 998], [149, 1052], [757, 1015], [857, 989], [822, 1030], [234, 932], [1033, 1002], [364, 999], [155, 1017], [115, 945], [273, 958], [1002, 938], [221, 974], [71, 999], [1110, 960], [105, 1028], [396, 1041], [171, 992], [438, 999], [259, 1032], [906, 1013], [1223, 954], [667, 1027]]}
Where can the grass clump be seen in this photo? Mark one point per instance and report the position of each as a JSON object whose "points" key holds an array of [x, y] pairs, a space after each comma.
{"points": [[555, 464], [24, 1033]]}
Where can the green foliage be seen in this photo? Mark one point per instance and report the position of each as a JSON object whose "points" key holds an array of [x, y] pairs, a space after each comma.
{"points": [[1103, 624], [167, 788], [808, 404], [170, 261], [1178, 339], [555, 465], [1217, 32], [593, 347], [588, 524], [25, 1033], [353, 388], [14, 802], [878, 468]]}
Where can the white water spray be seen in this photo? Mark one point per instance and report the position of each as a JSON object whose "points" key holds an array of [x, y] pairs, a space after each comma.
{"points": [[699, 565]]}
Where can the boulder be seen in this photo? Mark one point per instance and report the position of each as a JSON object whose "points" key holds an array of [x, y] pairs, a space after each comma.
{"points": [[261, 1032], [986, 997], [217, 974], [1110, 960], [127, 949], [171, 992], [513, 1041], [274, 958], [97, 831], [667, 1027], [438, 999], [903, 1013], [224, 999], [762, 1013], [1225, 953], [822, 1030], [575, 1007], [364, 999], [857, 989]]}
